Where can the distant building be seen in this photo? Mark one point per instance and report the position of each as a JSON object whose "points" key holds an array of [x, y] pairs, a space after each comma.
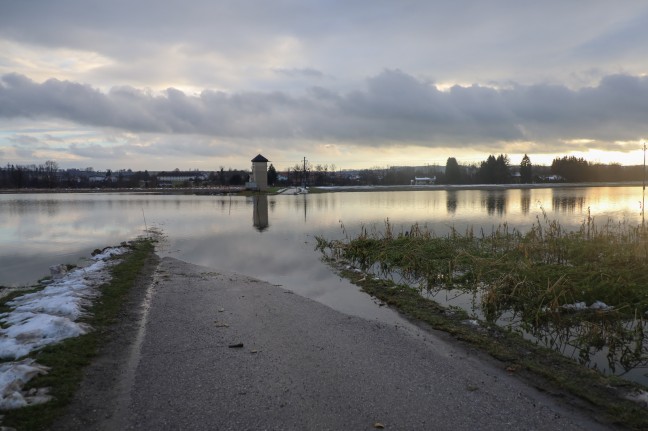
{"points": [[102, 177], [423, 181], [176, 178], [259, 176]]}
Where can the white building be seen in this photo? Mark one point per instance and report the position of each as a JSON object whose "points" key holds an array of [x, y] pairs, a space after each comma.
{"points": [[423, 181], [259, 176]]}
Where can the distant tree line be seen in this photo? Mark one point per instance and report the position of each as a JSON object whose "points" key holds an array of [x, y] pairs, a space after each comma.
{"points": [[575, 170], [493, 170], [49, 176], [498, 170]]}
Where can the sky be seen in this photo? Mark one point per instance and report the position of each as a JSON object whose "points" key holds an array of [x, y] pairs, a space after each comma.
{"points": [[204, 84]]}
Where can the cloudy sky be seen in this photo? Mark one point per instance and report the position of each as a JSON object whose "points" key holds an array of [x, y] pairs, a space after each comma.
{"points": [[200, 84]]}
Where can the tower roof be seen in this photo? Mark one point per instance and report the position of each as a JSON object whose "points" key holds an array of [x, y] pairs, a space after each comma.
{"points": [[259, 158]]}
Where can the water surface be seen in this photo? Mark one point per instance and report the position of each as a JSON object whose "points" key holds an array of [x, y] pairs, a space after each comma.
{"points": [[273, 237]]}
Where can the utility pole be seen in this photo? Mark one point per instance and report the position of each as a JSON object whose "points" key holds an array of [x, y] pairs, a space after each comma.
{"points": [[643, 194], [304, 174]]}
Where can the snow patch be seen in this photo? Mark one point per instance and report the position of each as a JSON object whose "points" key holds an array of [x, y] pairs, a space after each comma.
{"points": [[13, 376], [600, 305], [580, 306], [576, 306], [46, 317], [640, 397]]}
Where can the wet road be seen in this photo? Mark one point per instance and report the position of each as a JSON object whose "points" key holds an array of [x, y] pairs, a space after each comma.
{"points": [[299, 365]]}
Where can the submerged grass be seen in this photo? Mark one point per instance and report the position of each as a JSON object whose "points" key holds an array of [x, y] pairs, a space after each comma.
{"points": [[536, 279], [68, 358], [535, 274]]}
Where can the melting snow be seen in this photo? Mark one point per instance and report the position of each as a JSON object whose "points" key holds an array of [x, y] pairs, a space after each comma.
{"points": [[579, 306], [599, 305], [13, 375], [640, 397], [45, 317]]}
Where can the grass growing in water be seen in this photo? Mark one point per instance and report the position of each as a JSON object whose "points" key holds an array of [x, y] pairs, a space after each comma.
{"points": [[68, 358], [536, 279], [535, 274]]}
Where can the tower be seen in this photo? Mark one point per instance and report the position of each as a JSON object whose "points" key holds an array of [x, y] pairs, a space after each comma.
{"points": [[259, 177]]}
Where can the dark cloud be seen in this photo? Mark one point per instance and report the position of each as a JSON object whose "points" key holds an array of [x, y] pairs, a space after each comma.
{"points": [[394, 107]]}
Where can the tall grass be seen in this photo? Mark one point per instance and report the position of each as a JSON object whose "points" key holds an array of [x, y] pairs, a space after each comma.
{"points": [[536, 279]]}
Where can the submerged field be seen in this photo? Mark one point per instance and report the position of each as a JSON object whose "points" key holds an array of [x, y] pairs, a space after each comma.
{"points": [[583, 293]]}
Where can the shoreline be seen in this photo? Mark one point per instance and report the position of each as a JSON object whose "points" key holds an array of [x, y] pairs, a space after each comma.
{"points": [[453, 187], [323, 189]]}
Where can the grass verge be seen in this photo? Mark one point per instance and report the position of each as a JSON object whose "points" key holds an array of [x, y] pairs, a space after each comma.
{"points": [[68, 358]]}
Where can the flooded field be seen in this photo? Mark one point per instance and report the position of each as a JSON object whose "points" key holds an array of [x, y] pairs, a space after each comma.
{"points": [[273, 237]]}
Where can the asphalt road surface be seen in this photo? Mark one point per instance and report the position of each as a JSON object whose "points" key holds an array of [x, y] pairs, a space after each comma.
{"points": [[220, 351]]}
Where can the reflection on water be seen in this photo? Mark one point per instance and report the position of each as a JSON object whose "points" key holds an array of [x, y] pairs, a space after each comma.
{"points": [[525, 201], [451, 201], [260, 212], [601, 341], [53, 228], [568, 204], [37, 231], [495, 202], [598, 339], [604, 342]]}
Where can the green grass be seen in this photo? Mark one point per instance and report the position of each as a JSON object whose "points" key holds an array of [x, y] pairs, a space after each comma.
{"points": [[68, 358], [534, 274]]}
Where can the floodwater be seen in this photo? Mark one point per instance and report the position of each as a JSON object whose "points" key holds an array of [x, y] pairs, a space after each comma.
{"points": [[273, 237]]}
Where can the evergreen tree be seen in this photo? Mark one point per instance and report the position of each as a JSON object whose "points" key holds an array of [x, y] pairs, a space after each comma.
{"points": [[452, 171], [572, 169], [526, 174], [494, 170], [272, 175]]}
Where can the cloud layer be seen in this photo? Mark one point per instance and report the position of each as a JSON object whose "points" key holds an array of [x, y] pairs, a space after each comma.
{"points": [[391, 107], [120, 79]]}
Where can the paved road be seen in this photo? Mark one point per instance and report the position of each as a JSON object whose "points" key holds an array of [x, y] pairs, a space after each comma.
{"points": [[304, 366]]}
